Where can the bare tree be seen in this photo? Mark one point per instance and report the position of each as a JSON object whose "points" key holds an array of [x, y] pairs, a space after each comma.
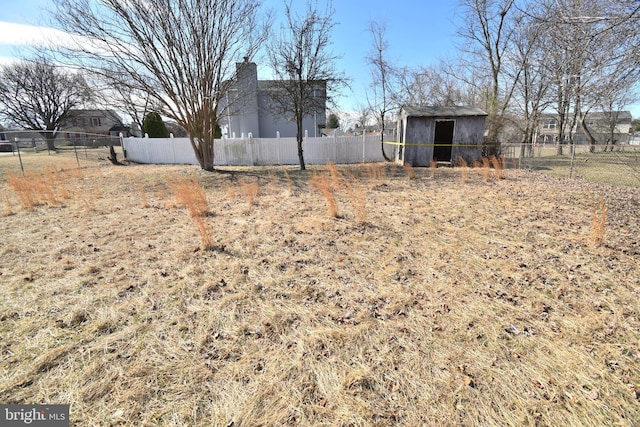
{"points": [[132, 101], [38, 95], [593, 54], [525, 67], [181, 53], [445, 84], [304, 66], [363, 112], [488, 30], [612, 106], [384, 76]]}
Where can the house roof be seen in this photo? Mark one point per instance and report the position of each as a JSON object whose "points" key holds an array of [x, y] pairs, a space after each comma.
{"points": [[441, 111], [277, 84], [624, 115], [119, 128]]}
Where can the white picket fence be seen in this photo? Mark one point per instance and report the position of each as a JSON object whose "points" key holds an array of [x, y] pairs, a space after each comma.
{"points": [[259, 151]]}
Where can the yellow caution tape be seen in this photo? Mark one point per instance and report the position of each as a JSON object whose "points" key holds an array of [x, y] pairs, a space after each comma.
{"points": [[413, 144]]}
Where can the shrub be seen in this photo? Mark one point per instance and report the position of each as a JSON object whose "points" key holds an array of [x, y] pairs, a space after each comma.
{"points": [[153, 126]]}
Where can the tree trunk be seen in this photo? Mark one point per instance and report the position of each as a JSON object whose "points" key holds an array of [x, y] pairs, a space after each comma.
{"points": [[50, 139], [300, 138], [300, 155], [203, 150], [384, 155], [113, 157], [203, 138], [592, 141], [386, 158]]}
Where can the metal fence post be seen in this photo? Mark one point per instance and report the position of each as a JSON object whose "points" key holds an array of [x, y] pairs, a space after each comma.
{"points": [[19, 156]]}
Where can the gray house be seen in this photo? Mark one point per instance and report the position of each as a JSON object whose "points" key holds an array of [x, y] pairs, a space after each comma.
{"points": [[607, 127], [442, 133], [247, 108]]}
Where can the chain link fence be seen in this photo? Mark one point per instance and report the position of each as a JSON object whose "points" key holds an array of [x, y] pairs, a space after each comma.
{"points": [[609, 164], [21, 149]]}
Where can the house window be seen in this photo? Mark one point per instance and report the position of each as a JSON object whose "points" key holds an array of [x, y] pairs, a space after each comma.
{"points": [[549, 124], [95, 121]]}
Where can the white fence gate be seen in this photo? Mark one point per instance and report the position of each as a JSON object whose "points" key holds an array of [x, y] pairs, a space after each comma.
{"points": [[259, 151]]}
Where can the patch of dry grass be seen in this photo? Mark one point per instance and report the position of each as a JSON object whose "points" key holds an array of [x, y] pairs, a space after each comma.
{"points": [[453, 304], [598, 223]]}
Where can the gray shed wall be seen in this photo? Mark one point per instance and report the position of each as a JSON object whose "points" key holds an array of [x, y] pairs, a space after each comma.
{"points": [[468, 136]]}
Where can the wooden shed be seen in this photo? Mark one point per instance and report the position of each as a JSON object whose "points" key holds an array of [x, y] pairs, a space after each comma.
{"points": [[441, 133]]}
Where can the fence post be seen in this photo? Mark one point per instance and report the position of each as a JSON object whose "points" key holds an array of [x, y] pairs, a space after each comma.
{"points": [[173, 147], [75, 150], [573, 157], [252, 146], [19, 156], [364, 140], [124, 151]]}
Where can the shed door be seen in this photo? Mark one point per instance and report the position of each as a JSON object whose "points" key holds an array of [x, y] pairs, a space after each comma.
{"points": [[443, 140]]}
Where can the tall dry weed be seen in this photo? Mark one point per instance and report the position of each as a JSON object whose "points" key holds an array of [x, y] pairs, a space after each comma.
{"points": [[598, 223], [411, 173], [375, 172], [486, 169], [272, 185], [288, 178], [330, 184], [336, 175], [7, 206], [464, 169], [189, 193], [497, 166], [25, 190], [358, 198], [323, 184], [60, 181], [251, 190], [433, 166], [379, 172]]}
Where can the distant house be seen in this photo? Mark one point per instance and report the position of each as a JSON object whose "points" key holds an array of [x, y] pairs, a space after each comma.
{"points": [[247, 108], [83, 125], [444, 134], [606, 127], [389, 129]]}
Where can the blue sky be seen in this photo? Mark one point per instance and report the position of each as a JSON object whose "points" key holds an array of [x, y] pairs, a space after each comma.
{"points": [[418, 32]]}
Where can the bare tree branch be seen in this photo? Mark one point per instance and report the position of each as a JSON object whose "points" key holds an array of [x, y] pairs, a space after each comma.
{"points": [[181, 53], [304, 66], [38, 95]]}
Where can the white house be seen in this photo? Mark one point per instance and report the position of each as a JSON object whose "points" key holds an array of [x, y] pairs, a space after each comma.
{"points": [[247, 108]]}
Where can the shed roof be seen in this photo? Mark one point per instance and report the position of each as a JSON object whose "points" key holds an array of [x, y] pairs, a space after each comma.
{"points": [[441, 111]]}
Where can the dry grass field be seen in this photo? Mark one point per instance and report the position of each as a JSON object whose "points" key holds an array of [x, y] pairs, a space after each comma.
{"points": [[164, 295]]}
